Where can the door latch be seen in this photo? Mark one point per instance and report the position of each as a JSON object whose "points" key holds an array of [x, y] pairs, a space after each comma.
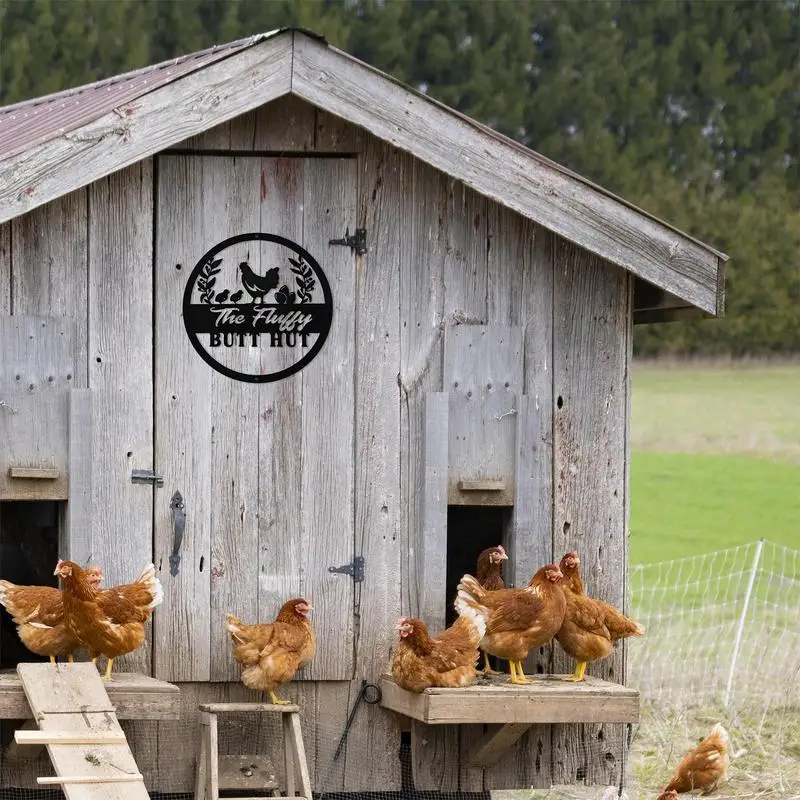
{"points": [[357, 242], [355, 569], [146, 476]]}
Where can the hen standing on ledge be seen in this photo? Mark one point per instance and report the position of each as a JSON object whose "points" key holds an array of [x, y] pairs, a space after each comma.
{"points": [[489, 575], [107, 622]]}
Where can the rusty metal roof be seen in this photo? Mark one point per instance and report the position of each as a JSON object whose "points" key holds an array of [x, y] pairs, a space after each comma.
{"points": [[32, 122]]}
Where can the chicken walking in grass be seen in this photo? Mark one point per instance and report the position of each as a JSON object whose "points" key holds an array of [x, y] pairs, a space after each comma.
{"points": [[259, 285], [271, 653], [38, 612], [520, 620], [703, 768], [108, 622], [590, 627], [449, 659], [489, 574]]}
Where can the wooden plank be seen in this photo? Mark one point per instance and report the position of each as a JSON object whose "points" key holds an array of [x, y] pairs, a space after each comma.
{"points": [[284, 125], [590, 347], [234, 446], [182, 647], [327, 512], [433, 547], [280, 528], [5, 268], [335, 135], [483, 376], [121, 377], [421, 344], [506, 172], [37, 353], [371, 756], [246, 772], [35, 473], [36, 737], [146, 125], [134, 697], [262, 708], [33, 429], [497, 701], [76, 537], [50, 249], [71, 699]]}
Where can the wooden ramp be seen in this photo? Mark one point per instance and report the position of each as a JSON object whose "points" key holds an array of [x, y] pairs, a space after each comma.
{"points": [[79, 726]]}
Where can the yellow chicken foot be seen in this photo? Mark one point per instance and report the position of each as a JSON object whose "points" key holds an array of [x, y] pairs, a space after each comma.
{"points": [[70, 660], [107, 675], [518, 674], [577, 676], [277, 701], [94, 661], [487, 670], [52, 659]]}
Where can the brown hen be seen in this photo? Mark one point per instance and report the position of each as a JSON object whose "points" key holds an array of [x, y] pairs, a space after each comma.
{"points": [[489, 574], [590, 626], [704, 767], [271, 653], [38, 612], [107, 622], [520, 620], [449, 659]]}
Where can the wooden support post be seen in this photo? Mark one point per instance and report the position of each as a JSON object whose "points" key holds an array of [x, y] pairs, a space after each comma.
{"points": [[491, 748]]}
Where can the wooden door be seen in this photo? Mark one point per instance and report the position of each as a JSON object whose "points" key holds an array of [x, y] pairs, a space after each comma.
{"points": [[264, 469]]}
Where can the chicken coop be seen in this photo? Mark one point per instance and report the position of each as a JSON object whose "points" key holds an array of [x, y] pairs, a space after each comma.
{"points": [[285, 326]]}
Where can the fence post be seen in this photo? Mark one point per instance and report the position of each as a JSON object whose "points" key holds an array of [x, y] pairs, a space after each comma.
{"points": [[738, 640]]}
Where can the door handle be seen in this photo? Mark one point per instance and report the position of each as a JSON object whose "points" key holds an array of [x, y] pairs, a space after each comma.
{"points": [[178, 524]]}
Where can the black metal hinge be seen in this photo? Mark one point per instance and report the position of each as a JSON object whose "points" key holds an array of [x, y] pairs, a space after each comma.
{"points": [[355, 569], [357, 242], [146, 476]]}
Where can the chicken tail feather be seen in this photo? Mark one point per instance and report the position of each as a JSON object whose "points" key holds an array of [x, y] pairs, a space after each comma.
{"points": [[468, 608]]}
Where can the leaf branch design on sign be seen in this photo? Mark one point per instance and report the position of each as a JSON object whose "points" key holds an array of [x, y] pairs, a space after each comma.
{"points": [[207, 279], [305, 279]]}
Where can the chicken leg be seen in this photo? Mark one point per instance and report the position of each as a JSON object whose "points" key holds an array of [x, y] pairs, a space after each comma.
{"points": [[70, 659], [487, 670], [577, 676], [52, 659], [107, 675], [518, 674], [276, 701]]}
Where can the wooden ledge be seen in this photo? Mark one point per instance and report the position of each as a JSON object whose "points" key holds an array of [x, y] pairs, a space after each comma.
{"points": [[133, 697], [236, 708], [495, 700]]}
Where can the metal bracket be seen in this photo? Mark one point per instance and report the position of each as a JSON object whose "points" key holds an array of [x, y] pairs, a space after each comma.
{"points": [[178, 524], [357, 242], [146, 476], [355, 569]]}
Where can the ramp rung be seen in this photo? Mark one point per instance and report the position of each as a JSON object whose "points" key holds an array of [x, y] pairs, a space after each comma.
{"points": [[57, 779]]}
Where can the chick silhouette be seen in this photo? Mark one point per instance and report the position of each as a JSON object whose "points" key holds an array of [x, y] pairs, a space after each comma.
{"points": [[258, 285], [236, 296], [222, 296]]}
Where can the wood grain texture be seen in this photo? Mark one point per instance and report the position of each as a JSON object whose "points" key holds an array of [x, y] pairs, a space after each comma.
{"points": [[76, 537], [327, 510], [234, 446], [184, 419], [374, 741], [422, 249], [284, 125], [335, 135], [51, 253], [143, 127], [590, 350], [483, 374], [280, 421], [121, 376], [5, 268], [507, 173]]}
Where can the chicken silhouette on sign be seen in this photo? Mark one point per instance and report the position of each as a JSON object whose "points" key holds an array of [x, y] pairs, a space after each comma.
{"points": [[257, 323]]}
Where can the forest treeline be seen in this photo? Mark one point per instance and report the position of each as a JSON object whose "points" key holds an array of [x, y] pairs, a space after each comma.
{"points": [[690, 109]]}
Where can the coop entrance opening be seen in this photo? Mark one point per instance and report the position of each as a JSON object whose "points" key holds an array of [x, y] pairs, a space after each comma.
{"points": [[28, 556], [470, 529]]}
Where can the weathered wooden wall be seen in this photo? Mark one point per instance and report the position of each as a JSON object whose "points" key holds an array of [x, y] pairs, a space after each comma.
{"points": [[440, 257]]}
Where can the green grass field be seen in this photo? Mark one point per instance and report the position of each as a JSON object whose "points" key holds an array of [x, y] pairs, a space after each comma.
{"points": [[715, 458]]}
